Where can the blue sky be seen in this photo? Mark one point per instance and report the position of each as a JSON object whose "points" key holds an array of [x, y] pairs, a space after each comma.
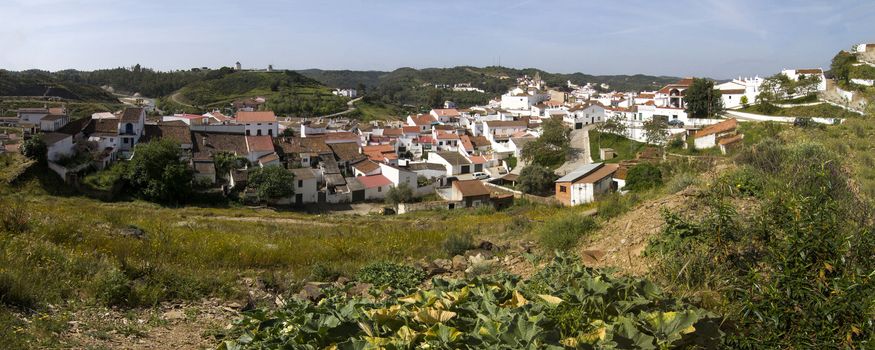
{"points": [[715, 38]]}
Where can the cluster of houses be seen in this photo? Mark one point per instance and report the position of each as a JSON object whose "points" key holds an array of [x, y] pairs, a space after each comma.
{"points": [[462, 155]]}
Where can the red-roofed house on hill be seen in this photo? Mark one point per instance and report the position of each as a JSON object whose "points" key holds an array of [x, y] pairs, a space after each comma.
{"points": [[258, 123], [375, 187], [446, 115], [711, 135], [471, 192], [422, 121], [672, 95]]}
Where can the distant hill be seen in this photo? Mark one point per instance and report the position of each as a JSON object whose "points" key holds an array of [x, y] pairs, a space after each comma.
{"points": [[416, 87], [287, 92], [34, 83]]}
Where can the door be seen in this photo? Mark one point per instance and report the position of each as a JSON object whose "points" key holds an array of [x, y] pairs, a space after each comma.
{"points": [[299, 199], [358, 196]]}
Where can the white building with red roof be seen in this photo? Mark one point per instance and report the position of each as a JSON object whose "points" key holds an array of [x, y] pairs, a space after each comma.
{"points": [[258, 123]]}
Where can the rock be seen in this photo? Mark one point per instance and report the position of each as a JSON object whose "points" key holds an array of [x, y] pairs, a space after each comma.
{"points": [[486, 254], [434, 270], [234, 305], [592, 256], [279, 301], [360, 289], [312, 292], [133, 232], [174, 315], [443, 263], [342, 281], [486, 245], [460, 263]]}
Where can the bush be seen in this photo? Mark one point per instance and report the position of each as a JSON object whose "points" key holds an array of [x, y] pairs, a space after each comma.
{"points": [[458, 243], [399, 194], [271, 183], [397, 276], [564, 232], [615, 204], [323, 273], [14, 217], [536, 179], [642, 177], [113, 288], [681, 181]]}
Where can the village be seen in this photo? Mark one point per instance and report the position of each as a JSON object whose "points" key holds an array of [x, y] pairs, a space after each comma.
{"points": [[448, 157]]}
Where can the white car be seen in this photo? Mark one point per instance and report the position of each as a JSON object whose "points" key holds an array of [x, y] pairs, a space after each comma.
{"points": [[481, 175]]}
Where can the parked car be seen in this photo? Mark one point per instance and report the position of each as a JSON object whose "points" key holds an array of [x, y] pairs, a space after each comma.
{"points": [[676, 123], [481, 175]]}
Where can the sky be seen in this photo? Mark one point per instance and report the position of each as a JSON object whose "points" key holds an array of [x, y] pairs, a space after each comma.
{"points": [[713, 38]]}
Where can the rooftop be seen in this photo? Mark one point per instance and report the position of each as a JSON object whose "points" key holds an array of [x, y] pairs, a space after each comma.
{"points": [[255, 117], [373, 181], [471, 188], [724, 126]]}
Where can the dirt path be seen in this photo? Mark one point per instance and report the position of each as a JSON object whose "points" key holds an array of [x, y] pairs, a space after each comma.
{"points": [[350, 104], [175, 98]]}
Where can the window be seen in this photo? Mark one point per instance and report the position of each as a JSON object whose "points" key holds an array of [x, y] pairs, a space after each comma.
{"points": [[300, 183], [258, 133], [563, 189], [379, 189]]}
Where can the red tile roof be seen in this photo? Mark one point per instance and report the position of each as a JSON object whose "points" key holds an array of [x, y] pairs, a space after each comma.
{"points": [[726, 125], [447, 112], [255, 117], [471, 188], [373, 181], [423, 119], [259, 143]]}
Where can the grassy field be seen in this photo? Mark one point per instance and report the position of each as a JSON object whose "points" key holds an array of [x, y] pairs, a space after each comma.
{"points": [[136, 254], [823, 110], [371, 111], [624, 147]]}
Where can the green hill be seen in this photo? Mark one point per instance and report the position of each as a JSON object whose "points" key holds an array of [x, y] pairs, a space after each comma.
{"points": [[415, 87], [287, 92], [34, 83]]}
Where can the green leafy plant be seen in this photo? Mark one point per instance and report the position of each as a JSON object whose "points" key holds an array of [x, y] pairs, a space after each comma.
{"points": [[397, 276]]}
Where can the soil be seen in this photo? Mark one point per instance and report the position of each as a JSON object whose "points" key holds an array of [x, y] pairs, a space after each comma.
{"points": [[620, 243]]}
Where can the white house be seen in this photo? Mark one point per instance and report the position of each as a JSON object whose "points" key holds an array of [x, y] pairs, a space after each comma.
{"points": [[580, 116], [796, 74], [584, 184], [375, 187], [306, 186], [734, 90], [59, 145], [259, 123], [365, 167], [501, 131], [349, 93], [672, 95], [53, 122], [131, 127], [454, 162], [709, 136], [399, 176]]}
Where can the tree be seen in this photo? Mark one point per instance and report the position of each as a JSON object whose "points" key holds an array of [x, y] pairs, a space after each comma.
{"points": [[271, 183], [841, 66], [225, 161], [157, 173], [550, 149], [642, 177], [35, 148], [744, 101], [655, 131], [807, 85], [702, 100], [536, 179], [399, 194], [775, 88], [612, 126]]}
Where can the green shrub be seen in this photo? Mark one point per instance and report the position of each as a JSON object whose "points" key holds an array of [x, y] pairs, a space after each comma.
{"points": [[563, 233], [458, 243], [615, 204], [681, 181], [14, 217], [642, 177], [397, 276], [323, 272], [113, 288]]}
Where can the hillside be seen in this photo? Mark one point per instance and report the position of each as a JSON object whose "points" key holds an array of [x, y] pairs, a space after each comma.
{"points": [[41, 84], [287, 92], [416, 87]]}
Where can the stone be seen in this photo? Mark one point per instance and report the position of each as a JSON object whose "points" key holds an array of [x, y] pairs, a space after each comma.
{"points": [[486, 254], [342, 280], [443, 263], [486, 245], [312, 292], [174, 315], [592, 256], [360, 289], [460, 263], [133, 232]]}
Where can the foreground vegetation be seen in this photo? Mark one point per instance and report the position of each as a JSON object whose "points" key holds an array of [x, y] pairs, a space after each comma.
{"points": [[563, 306]]}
